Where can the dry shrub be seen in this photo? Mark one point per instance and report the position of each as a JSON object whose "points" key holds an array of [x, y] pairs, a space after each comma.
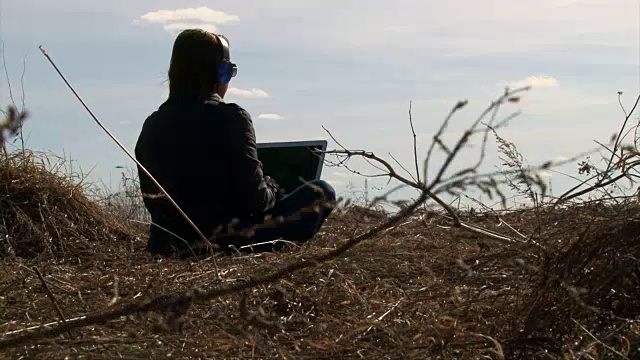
{"points": [[419, 290], [590, 281], [44, 214]]}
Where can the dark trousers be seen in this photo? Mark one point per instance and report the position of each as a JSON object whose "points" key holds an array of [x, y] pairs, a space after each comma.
{"points": [[304, 211]]}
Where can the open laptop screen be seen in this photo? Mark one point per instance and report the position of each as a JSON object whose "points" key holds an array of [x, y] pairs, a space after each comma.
{"points": [[287, 162]]}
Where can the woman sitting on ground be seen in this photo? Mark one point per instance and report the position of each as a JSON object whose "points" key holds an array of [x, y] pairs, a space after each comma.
{"points": [[203, 153]]}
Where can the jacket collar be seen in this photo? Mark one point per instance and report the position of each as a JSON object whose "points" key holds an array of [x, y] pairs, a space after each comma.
{"points": [[213, 98]]}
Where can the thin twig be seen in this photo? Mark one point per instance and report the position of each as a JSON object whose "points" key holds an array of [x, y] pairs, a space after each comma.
{"points": [[624, 125], [455, 218], [404, 168], [415, 144], [22, 100], [464, 174], [24, 71], [6, 71], [599, 341], [464, 138], [53, 300], [436, 138], [209, 245], [598, 185]]}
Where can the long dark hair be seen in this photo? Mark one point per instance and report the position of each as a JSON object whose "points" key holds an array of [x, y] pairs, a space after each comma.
{"points": [[194, 59]]}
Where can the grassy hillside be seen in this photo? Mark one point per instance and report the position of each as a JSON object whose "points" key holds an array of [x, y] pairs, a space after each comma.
{"points": [[566, 288]]}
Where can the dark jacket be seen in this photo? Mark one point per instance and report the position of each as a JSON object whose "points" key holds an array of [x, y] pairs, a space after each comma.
{"points": [[204, 155]]}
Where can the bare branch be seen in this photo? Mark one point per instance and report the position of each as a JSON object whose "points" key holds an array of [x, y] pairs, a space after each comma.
{"points": [[624, 125], [464, 138], [6, 71], [600, 184], [403, 168], [436, 138], [24, 71], [415, 145], [624, 163]]}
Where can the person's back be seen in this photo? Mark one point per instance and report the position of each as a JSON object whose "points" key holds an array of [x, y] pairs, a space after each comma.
{"points": [[188, 145], [203, 153]]}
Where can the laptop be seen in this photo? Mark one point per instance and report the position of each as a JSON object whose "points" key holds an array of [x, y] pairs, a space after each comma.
{"points": [[289, 162]]}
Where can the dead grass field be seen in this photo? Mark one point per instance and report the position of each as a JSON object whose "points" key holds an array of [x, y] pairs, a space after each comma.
{"points": [[417, 290]]}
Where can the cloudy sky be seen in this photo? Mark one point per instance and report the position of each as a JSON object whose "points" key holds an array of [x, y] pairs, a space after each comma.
{"points": [[351, 66]]}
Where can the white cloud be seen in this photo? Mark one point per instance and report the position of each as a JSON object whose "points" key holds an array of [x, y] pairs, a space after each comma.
{"points": [[180, 19], [399, 28], [270, 117], [252, 93], [563, 3], [201, 14], [541, 81], [179, 26]]}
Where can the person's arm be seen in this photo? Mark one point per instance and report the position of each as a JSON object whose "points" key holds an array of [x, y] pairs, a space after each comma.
{"points": [[252, 192]]}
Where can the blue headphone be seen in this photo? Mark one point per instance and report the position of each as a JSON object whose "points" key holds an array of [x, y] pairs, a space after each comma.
{"points": [[226, 69]]}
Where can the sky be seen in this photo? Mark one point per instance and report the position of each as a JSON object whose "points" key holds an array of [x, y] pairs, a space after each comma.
{"points": [[350, 66]]}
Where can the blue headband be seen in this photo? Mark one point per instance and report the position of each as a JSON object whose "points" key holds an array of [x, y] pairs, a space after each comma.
{"points": [[226, 69]]}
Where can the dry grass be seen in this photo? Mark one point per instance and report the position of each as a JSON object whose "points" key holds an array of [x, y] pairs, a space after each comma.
{"points": [[47, 216], [418, 290]]}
